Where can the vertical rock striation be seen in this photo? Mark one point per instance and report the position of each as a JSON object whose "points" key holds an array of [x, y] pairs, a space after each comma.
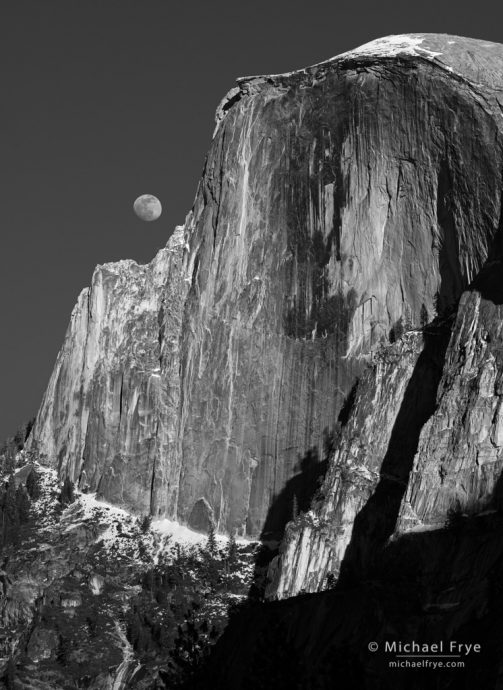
{"points": [[355, 511], [108, 417], [333, 206], [436, 413], [339, 205], [460, 456]]}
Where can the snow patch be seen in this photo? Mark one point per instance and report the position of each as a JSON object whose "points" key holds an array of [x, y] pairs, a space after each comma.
{"points": [[184, 535], [389, 46], [89, 503], [179, 533]]}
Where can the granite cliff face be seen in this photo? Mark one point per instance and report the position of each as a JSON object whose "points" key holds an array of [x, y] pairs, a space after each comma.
{"points": [[423, 441], [339, 205], [108, 417]]}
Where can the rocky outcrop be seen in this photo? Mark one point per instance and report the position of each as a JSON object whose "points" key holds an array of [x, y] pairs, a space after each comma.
{"points": [[108, 417], [333, 206], [460, 456], [338, 204], [410, 460], [423, 442], [429, 586], [368, 470], [95, 597]]}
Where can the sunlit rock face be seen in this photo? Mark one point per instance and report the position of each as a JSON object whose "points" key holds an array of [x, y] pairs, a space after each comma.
{"points": [[460, 454], [423, 440], [354, 512], [338, 203], [108, 418]]}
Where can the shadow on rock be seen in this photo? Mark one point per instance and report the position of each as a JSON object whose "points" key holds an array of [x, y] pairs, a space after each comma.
{"points": [[376, 521], [441, 585], [296, 495]]}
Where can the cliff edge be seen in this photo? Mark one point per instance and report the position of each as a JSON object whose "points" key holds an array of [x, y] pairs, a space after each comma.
{"points": [[340, 206]]}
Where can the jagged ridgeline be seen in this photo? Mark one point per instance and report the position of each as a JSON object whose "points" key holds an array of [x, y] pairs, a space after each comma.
{"points": [[314, 359]]}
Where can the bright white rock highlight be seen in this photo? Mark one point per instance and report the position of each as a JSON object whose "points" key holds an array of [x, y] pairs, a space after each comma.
{"points": [[392, 45]]}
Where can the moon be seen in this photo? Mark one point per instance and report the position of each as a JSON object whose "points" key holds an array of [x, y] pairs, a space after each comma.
{"points": [[147, 207]]}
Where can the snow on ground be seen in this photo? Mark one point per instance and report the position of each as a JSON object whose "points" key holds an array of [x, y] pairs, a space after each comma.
{"points": [[49, 486], [120, 528], [123, 533], [179, 533], [389, 46], [184, 535], [167, 528], [90, 503]]}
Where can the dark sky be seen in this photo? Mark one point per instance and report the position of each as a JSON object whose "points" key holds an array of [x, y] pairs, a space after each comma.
{"points": [[106, 99]]}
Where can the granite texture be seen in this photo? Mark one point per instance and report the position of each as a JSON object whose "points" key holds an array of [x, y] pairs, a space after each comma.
{"points": [[338, 205]]}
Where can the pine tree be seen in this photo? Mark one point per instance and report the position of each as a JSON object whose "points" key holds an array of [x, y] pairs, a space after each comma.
{"points": [[67, 495], [331, 581], [23, 504], [19, 438], [63, 650], [397, 330], [232, 551], [33, 485], [10, 675], [10, 504], [10, 513], [8, 457], [145, 523], [211, 544]]}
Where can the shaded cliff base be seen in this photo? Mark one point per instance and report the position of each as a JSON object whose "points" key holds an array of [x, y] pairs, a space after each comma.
{"points": [[376, 521], [428, 585], [442, 585]]}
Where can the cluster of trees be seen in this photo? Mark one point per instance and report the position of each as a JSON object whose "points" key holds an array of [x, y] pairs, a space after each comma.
{"points": [[441, 312], [219, 563], [15, 504], [16, 499], [11, 447], [67, 493], [145, 523], [405, 324], [9, 677], [173, 622], [229, 554], [190, 651]]}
